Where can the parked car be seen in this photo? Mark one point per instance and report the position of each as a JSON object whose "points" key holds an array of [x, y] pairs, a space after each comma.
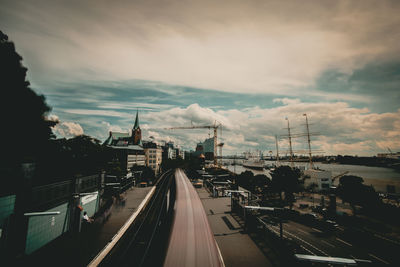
{"points": [[331, 225], [198, 183]]}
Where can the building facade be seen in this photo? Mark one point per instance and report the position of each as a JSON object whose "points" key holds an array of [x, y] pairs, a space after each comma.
{"points": [[153, 154], [322, 179], [205, 148], [128, 146]]}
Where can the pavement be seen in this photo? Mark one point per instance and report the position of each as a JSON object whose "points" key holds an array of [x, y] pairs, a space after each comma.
{"points": [[79, 249], [339, 244], [315, 199], [237, 248]]}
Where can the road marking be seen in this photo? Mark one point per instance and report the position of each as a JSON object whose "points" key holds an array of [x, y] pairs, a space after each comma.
{"points": [[377, 258], [387, 239], [304, 232], [302, 240], [306, 249], [277, 233], [329, 244], [305, 242], [316, 230], [344, 242]]}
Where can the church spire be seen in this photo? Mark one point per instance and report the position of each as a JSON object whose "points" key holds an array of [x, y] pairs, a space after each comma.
{"points": [[136, 120], [136, 132]]}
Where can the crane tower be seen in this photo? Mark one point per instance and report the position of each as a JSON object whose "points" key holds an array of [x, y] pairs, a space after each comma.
{"points": [[215, 127]]}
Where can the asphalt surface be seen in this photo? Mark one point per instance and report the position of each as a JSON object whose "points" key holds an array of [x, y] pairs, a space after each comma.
{"points": [[337, 244], [237, 248]]}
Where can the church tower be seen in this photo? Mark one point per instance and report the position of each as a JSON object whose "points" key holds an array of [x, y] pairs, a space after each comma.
{"points": [[136, 132]]}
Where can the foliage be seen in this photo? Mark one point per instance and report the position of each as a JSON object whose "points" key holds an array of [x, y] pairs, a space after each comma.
{"points": [[253, 183], [352, 190], [285, 179], [23, 112], [81, 155], [147, 173]]}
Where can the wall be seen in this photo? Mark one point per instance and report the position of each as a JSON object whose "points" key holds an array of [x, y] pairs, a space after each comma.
{"points": [[90, 203], [43, 229], [6, 209]]}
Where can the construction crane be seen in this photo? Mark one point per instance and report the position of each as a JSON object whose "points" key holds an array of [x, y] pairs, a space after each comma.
{"points": [[215, 127]]}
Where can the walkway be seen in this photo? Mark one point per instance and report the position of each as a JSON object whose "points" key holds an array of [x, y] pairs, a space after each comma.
{"points": [[78, 250], [237, 248]]}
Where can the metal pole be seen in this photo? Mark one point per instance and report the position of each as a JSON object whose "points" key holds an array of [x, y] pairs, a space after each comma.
{"points": [[309, 142], [290, 144], [277, 151], [215, 145]]}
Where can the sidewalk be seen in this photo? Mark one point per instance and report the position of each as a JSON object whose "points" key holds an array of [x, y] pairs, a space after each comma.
{"points": [[80, 249], [237, 248]]}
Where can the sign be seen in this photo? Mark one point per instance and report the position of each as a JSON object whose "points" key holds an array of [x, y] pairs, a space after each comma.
{"points": [[89, 198]]}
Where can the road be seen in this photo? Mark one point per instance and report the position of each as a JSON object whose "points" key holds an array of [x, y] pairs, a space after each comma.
{"points": [[337, 244]]}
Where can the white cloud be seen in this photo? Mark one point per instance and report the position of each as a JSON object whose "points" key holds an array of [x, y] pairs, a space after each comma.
{"points": [[112, 128], [132, 106], [97, 112], [68, 129], [240, 46], [343, 129], [53, 117], [286, 101]]}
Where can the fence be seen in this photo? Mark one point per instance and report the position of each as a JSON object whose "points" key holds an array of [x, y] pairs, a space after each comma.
{"points": [[35, 216], [281, 248], [43, 229]]}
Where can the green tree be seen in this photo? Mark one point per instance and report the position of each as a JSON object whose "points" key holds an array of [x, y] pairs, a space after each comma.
{"points": [[23, 112], [244, 179], [285, 180], [81, 155], [352, 190]]}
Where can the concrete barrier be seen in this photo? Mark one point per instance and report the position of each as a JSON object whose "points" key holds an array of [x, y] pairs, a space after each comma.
{"points": [[104, 252]]}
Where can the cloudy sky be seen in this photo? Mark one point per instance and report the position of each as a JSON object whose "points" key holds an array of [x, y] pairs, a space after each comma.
{"points": [[247, 64]]}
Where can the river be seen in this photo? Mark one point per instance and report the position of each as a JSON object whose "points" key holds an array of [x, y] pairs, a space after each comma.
{"points": [[378, 177]]}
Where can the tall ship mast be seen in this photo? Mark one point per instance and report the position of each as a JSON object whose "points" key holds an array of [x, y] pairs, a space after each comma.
{"points": [[290, 143], [311, 165], [277, 151]]}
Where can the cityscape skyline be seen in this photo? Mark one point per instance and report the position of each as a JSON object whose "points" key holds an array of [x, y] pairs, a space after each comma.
{"points": [[247, 65]]}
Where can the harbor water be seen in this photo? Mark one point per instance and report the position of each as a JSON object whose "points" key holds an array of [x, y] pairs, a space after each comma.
{"points": [[378, 177]]}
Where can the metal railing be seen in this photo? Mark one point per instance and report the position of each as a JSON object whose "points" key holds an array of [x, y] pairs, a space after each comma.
{"points": [[134, 246]]}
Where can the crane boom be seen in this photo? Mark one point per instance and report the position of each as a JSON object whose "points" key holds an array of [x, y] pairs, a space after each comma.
{"points": [[215, 127]]}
